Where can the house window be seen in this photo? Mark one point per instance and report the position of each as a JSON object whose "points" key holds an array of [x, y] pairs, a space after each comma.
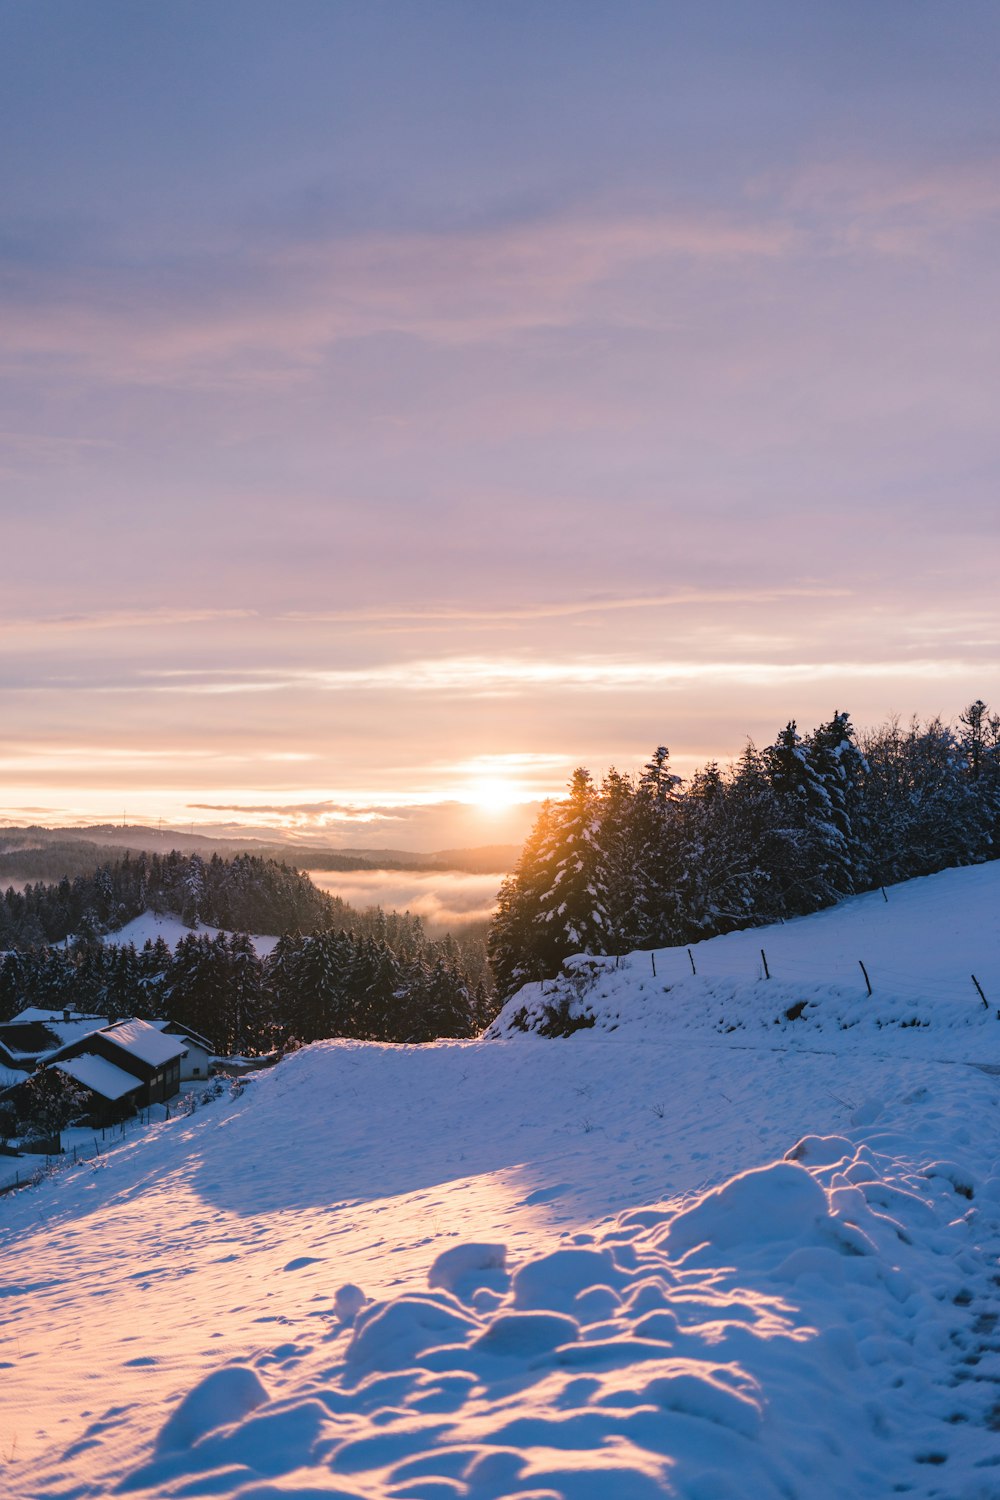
{"points": [[196, 1072]]}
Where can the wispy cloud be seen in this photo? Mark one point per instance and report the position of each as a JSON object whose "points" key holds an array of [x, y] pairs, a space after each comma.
{"points": [[323, 811], [119, 619], [867, 203], [34, 759], [499, 676], [432, 614], [467, 613], [286, 306], [446, 899]]}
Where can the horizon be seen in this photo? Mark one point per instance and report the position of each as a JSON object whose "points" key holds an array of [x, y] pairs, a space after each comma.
{"points": [[445, 824], [401, 410]]}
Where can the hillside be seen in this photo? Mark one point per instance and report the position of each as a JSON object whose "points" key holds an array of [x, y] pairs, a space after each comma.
{"points": [[920, 945], [699, 1249]]}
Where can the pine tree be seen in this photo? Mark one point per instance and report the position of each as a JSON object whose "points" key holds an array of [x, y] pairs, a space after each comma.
{"points": [[841, 768], [817, 858], [572, 914], [513, 944], [620, 854], [655, 839]]}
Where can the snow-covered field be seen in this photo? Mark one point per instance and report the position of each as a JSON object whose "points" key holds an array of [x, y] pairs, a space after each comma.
{"points": [[702, 1249], [152, 925]]}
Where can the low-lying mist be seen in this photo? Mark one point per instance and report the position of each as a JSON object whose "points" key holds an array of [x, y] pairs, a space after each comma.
{"points": [[446, 900]]}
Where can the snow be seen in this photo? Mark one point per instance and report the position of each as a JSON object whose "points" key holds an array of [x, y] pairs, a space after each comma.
{"points": [[149, 926], [657, 1258], [920, 947], [64, 1032], [146, 1042], [99, 1074]]}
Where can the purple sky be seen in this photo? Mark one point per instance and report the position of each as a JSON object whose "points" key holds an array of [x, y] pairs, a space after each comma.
{"points": [[407, 402]]}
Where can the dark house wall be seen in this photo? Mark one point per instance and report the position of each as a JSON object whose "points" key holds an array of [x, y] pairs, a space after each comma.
{"points": [[159, 1083]]}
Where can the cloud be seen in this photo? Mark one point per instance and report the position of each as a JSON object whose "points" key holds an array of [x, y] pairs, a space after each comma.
{"points": [[315, 812], [121, 619], [433, 614], [566, 609], [278, 310], [890, 208], [505, 676]]}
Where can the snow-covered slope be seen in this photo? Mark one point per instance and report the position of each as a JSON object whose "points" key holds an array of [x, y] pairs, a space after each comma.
{"points": [[152, 925], [665, 1259], [923, 947]]}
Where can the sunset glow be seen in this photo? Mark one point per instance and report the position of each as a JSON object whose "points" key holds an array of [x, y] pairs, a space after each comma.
{"points": [[494, 796], [499, 749], [381, 438]]}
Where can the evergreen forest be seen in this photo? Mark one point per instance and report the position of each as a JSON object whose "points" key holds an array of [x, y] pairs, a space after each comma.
{"points": [[643, 862], [334, 971], [246, 893]]}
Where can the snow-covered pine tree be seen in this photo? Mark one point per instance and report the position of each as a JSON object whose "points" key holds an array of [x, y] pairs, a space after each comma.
{"points": [[446, 1005], [710, 893], [979, 738], [841, 768], [244, 996], [620, 855], [280, 987], [754, 839], [656, 841], [193, 900], [319, 1005], [816, 865], [572, 911], [945, 825], [512, 943]]}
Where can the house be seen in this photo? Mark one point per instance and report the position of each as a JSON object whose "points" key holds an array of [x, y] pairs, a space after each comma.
{"points": [[199, 1054], [34, 1034], [125, 1066], [116, 1093], [135, 1048]]}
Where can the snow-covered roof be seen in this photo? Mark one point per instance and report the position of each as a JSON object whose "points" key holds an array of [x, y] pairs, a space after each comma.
{"points": [[186, 1033], [100, 1075], [42, 1032], [144, 1041], [39, 1013]]}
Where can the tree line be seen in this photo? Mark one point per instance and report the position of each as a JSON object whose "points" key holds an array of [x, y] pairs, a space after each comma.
{"points": [[323, 984], [644, 862]]}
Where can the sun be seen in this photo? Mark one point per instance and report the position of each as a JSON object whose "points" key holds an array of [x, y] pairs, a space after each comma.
{"points": [[491, 794]]}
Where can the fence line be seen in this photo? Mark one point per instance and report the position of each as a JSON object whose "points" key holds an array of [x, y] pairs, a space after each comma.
{"points": [[907, 983], [26, 1175]]}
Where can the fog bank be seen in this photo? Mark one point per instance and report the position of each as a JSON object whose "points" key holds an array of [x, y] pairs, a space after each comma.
{"points": [[443, 898]]}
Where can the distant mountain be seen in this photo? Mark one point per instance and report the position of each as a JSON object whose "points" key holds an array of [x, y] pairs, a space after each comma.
{"points": [[49, 854]]}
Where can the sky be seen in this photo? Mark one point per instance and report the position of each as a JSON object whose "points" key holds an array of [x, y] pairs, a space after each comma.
{"points": [[401, 405]]}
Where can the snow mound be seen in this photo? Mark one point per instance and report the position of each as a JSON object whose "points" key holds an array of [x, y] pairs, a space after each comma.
{"points": [[778, 1202], [777, 1329], [224, 1397]]}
